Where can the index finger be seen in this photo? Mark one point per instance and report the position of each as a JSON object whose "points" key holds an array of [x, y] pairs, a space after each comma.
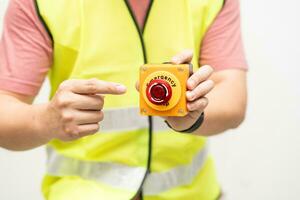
{"points": [[95, 86]]}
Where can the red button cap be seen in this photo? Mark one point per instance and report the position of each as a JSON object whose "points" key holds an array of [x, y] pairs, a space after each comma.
{"points": [[159, 92]]}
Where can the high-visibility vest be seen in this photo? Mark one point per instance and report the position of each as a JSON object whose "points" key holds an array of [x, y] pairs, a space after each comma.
{"points": [[131, 154]]}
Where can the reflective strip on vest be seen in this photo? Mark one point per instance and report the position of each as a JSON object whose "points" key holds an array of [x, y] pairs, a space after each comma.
{"points": [[112, 174], [128, 119], [123, 176], [178, 176]]}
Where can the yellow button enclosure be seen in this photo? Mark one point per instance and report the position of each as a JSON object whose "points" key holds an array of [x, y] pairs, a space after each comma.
{"points": [[176, 76]]}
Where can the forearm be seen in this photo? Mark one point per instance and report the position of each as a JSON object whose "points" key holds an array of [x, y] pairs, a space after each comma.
{"points": [[227, 104], [20, 125]]}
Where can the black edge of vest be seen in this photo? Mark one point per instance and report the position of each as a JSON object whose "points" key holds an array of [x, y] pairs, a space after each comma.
{"points": [[140, 32], [36, 5], [224, 2], [223, 6]]}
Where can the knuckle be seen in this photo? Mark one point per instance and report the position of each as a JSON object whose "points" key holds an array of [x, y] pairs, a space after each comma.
{"points": [[95, 128], [204, 102], [91, 130], [191, 107], [110, 87], [99, 103], [192, 82], [198, 104], [99, 116], [60, 102], [71, 131], [92, 88], [194, 79], [199, 92], [200, 75], [66, 129], [65, 85], [92, 85], [207, 101], [67, 117], [181, 56], [63, 100], [211, 83], [92, 81]]}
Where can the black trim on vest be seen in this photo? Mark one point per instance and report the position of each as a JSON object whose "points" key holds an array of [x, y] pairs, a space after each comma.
{"points": [[140, 32], [147, 15], [36, 5], [224, 2]]}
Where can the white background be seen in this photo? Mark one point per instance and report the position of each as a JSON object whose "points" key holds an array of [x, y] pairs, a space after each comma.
{"points": [[260, 160]]}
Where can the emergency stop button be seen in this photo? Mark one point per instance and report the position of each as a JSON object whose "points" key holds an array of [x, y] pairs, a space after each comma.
{"points": [[159, 92]]}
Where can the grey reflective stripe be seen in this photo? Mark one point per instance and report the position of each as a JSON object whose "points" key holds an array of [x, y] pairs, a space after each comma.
{"points": [[112, 174], [128, 119], [125, 119], [182, 175], [159, 124], [125, 177]]}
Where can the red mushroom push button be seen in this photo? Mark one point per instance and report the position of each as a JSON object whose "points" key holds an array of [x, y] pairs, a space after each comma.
{"points": [[159, 92]]}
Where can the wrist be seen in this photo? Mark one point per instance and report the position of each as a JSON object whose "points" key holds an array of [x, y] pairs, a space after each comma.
{"points": [[41, 123], [179, 123], [189, 127], [182, 123]]}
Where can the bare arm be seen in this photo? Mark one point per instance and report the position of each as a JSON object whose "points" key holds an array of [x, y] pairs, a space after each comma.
{"points": [[19, 122], [74, 112], [227, 102]]}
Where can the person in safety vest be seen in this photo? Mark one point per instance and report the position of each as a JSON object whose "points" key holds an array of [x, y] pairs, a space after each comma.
{"points": [[98, 145]]}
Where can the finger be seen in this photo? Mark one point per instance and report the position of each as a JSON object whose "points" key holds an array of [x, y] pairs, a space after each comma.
{"points": [[200, 91], [88, 129], [93, 86], [88, 102], [198, 105], [88, 117], [201, 75], [137, 86], [185, 56]]}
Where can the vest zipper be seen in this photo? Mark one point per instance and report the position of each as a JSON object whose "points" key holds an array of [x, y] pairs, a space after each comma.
{"points": [[140, 32]]}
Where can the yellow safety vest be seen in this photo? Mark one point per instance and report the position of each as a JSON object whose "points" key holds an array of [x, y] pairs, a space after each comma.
{"points": [[130, 154]]}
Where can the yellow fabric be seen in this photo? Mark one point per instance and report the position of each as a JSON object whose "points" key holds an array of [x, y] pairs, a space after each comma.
{"points": [[98, 39], [189, 147]]}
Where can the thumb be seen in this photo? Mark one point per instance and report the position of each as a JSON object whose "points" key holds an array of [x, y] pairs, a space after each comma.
{"points": [[185, 56], [137, 86]]}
